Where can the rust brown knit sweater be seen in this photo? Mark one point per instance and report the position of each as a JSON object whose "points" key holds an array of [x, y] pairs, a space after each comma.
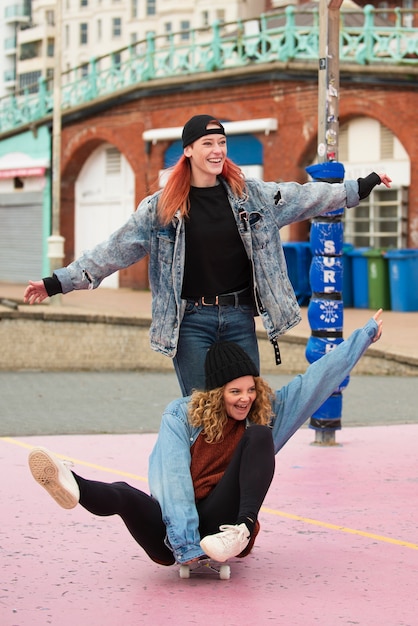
{"points": [[210, 460]]}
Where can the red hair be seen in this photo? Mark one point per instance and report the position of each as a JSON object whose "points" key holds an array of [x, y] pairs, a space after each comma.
{"points": [[175, 195]]}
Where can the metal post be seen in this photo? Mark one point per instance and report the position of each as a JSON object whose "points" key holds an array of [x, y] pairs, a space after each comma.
{"points": [[328, 79], [325, 310], [56, 241]]}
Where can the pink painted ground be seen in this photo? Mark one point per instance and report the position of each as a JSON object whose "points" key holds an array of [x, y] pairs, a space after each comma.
{"points": [[338, 545]]}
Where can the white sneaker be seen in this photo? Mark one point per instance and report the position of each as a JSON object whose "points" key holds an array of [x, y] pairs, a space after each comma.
{"points": [[230, 542], [55, 477]]}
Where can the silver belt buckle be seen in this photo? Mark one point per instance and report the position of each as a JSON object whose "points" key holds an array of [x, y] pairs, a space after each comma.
{"points": [[210, 303]]}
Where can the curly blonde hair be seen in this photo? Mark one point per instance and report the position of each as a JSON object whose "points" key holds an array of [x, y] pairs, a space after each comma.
{"points": [[207, 409]]}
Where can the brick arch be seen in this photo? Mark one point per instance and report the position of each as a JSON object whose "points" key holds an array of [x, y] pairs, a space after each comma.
{"points": [[398, 114], [397, 121], [78, 146], [80, 141]]}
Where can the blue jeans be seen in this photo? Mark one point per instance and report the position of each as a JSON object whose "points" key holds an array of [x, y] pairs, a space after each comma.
{"points": [[201, 327]]}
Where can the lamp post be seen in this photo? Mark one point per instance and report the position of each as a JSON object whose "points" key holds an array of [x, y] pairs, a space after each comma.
{"points": [[56, 241], [325, 310]]}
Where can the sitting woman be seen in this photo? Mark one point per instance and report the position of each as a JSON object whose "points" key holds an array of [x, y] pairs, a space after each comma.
{"points": [[213, 461]]}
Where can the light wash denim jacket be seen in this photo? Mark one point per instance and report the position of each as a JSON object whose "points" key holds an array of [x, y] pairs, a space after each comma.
{"points": [[169, 467], [259, 217]]}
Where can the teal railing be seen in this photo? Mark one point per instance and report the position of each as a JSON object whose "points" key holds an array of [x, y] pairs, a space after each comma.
{"points": [[369, 36]]}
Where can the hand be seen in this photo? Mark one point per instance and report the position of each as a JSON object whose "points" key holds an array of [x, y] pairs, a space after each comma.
{"points": [[35, 292], [385, 179], [376, 317]]}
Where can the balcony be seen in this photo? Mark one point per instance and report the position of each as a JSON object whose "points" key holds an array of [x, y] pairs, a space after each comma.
{"points": [[16, 14], [9, 78], [39, 32], [10, 46]]}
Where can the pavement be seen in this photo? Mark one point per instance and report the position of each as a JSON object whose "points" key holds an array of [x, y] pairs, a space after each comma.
{"points": [[339, 535]]}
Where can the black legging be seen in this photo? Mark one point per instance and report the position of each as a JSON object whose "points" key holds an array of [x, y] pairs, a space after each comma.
{"points": [[236, 498]]}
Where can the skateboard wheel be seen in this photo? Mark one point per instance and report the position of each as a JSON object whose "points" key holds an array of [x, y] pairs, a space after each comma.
{"points": [[184, 571], [224, 572]]}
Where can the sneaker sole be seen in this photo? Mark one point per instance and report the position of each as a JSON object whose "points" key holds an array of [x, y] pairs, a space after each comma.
{"points": [[46, 473]]}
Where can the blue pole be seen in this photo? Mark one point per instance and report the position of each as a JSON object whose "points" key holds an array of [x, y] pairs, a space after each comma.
{"points": [[326, 308]]}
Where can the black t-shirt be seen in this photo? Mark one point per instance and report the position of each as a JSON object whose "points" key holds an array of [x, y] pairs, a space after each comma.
{"points": [[216, 261]]}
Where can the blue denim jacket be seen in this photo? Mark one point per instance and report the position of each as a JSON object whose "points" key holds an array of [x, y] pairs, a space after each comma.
{"points": [[259, 217], [294, 404]]}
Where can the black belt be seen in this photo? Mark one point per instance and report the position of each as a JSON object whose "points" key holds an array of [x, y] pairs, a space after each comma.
{"points": [[224, 299]]}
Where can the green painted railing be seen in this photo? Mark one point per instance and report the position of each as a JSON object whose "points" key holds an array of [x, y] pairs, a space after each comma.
{"points": [[369, 36]]}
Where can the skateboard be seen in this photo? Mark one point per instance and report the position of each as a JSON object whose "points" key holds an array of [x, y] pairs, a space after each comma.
{"points": [[206, 566]]}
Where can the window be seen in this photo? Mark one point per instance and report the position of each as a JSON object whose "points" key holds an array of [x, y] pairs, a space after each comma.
{"points": [[220, 15], [151, 7], [84, 34], [408, 18], [205, 18], [387, 141], [379, 221], [113, 161], [29, 81], [116, 27], [28, 51], [50, 47], [116, 60], [67, 35], [84, 3], [50, 18], [84, 69], [168, 27], [185, 30], [134, 8], [99, 30]]}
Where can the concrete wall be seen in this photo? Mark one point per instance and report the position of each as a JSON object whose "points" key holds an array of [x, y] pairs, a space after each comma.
{"points": [[54, 341]]}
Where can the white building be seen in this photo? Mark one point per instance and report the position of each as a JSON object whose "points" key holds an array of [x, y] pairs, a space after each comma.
{"points": [[92, 28], [14, 14]]}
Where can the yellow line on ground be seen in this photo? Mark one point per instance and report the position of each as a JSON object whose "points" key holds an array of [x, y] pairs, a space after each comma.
{"points": [[344, 529], [65, 457], [299, 518]]}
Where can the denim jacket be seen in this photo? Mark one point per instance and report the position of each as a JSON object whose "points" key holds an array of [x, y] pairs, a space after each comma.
{"points": [[293, 405], [265, 209]]}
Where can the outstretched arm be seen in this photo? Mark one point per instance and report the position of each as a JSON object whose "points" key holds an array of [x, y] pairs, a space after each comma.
{"points": [[35, 292], [385, 179], [379, 322], [298, 400]]}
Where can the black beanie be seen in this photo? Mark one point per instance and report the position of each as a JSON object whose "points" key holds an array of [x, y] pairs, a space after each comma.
{"points": [[226, 361], [196, 127]]}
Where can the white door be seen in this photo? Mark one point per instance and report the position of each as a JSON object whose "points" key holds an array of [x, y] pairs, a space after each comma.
{"points": [[104, 200]]}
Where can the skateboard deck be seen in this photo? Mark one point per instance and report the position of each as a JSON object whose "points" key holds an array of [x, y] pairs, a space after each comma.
{"points": [[206, 566]]}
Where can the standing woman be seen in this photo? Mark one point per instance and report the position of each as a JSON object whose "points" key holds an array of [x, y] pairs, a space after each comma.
{"points": [[215, 255], [213, 461]]}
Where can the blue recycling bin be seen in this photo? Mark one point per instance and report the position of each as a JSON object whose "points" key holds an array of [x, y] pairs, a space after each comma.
{"points": [[360, 273], [298, 257], [403, 279]]}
